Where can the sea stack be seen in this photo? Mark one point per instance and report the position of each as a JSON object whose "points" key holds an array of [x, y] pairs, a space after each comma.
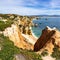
{"points": [[48, 38]]}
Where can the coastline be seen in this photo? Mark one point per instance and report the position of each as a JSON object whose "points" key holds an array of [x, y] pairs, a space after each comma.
{"points": [[30, 38], [33, 33]]}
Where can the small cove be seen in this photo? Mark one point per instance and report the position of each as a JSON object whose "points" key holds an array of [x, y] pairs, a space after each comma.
{"points": [[42, 23]]}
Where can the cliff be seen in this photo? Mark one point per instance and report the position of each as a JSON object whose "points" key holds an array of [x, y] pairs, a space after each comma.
{"points": [[15, 35], [17, 28], [48, 39]]}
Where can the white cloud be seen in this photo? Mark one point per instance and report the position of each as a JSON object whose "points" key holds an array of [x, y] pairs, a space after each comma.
{"points": [[20, 7], [55, 4], [28, 11]]}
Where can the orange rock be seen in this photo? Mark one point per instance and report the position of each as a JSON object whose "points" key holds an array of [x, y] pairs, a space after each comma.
{"points": [[15, 35]]}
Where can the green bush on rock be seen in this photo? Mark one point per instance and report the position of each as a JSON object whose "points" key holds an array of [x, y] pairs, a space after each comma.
{"points": [[44, 53], [56, 53], [4, 25]]}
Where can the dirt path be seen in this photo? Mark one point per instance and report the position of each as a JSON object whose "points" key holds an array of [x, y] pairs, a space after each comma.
{"points": [[48, 58], [20, 57]]}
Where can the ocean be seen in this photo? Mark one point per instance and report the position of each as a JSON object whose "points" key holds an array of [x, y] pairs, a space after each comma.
{"points": [[43, 22]]}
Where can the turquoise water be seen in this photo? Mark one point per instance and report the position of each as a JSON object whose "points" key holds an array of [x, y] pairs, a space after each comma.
{"points": [[43, 22]]}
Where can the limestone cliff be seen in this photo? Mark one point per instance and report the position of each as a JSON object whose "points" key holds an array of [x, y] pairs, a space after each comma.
{"points": [[15, 35], [17, 28], [48, 38]]}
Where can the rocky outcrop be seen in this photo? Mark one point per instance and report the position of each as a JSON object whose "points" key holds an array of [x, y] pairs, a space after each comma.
{"points": [[48, 38], [15, 35], [16, 26]]}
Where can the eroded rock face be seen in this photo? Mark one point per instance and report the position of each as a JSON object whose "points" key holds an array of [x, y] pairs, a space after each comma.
{"points": [[48, 38], [15, 35]]}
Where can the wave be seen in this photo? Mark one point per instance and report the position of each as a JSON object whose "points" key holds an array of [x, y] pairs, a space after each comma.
{"points": [[33, 33]]}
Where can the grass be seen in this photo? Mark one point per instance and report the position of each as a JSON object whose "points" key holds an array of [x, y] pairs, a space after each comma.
{"points": [[44, 53], [8, 48], [56, 53], [6, 24], [31, 55]]}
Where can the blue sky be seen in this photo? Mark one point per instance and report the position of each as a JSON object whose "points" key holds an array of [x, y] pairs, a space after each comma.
{"points": [[30, 7]]}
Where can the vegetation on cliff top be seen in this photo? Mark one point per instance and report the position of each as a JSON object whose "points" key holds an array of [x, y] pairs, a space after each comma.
{"points": [[56, 53], [4, 25]]}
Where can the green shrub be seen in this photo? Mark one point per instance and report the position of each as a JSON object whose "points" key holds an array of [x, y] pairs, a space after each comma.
{"points": [[56, 53], [4, 25], [44, 53]]}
